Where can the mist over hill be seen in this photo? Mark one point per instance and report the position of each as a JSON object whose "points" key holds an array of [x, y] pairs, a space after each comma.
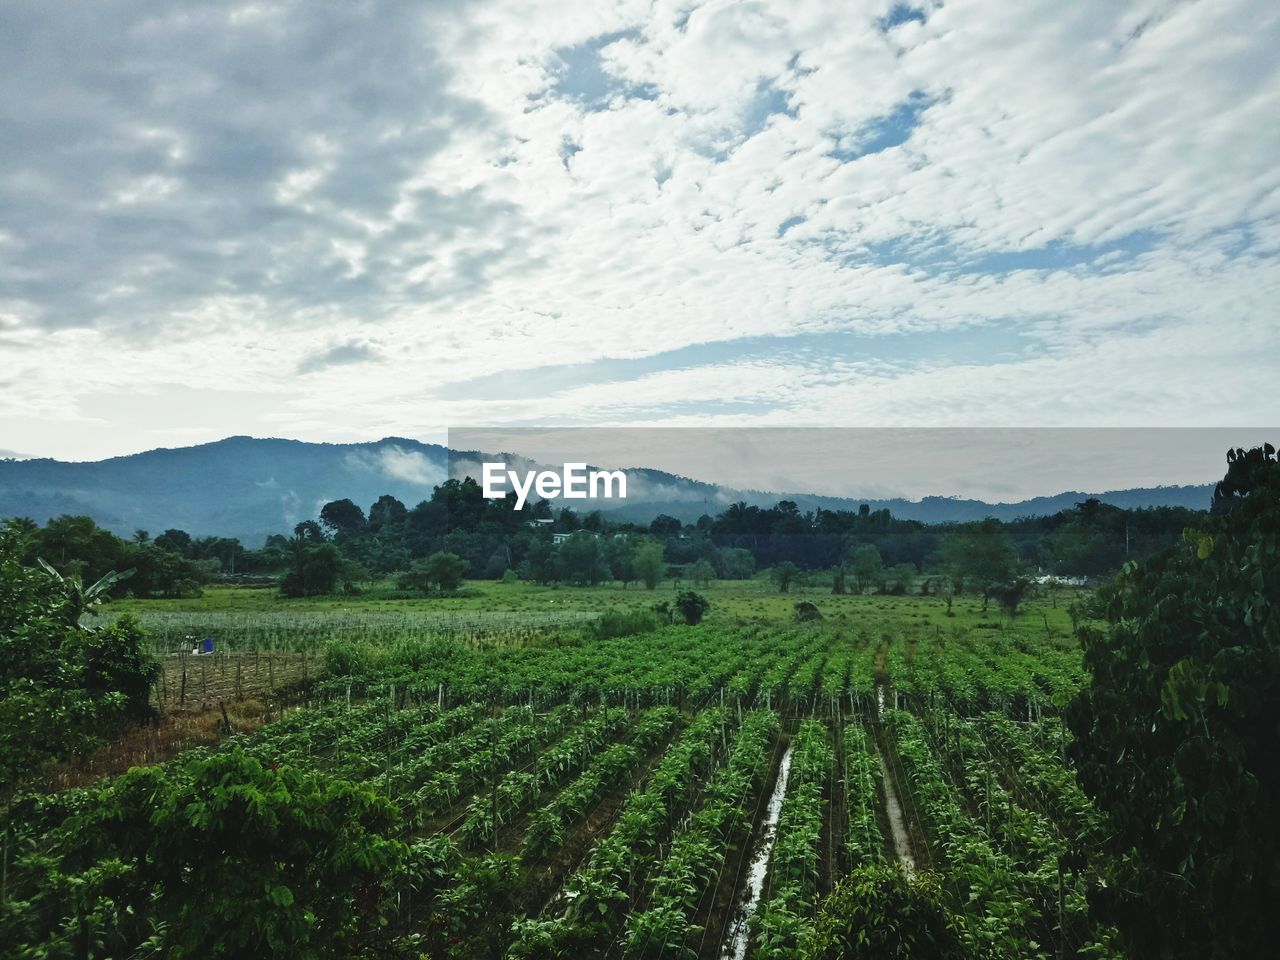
{"points": [[249, 488]]}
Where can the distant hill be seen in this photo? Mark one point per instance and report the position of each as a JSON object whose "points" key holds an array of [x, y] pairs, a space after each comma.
{"points": [[249, 488], [239, 487]]}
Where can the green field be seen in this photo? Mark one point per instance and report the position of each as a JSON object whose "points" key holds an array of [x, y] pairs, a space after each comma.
{"points": [[680, 792]]}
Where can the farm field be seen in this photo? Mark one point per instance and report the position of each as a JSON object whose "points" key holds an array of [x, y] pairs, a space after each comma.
{"points": [[683, 792]]}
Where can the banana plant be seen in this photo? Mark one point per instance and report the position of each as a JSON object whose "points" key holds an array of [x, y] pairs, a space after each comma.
{"points": [[79, 598]]}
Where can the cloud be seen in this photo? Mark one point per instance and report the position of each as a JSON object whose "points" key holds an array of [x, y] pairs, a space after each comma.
{"points": [[1086, 197], [394, 461], [339, 355]]}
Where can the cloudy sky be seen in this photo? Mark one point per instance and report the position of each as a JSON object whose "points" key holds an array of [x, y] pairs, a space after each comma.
{"points": [[343, 220]]}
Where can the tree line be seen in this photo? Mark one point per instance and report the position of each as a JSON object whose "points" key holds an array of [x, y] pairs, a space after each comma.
{"points": [[458, 534]]}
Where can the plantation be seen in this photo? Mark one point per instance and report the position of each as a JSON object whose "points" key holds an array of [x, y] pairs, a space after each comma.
{"points": [[897, 776], [603, 797]]}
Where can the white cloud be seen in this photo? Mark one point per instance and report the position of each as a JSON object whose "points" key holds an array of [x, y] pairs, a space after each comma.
{"points": [[308, 187]]}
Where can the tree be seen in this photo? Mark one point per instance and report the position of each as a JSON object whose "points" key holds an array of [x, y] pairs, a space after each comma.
{"points": [[838, 577], [179, 541], [692, 606], [618, 555], [309, 531], [342, 518], [541, 563], [664, 525], [701, 572], [79, 599], [784, 574], [899, 578], [866, 566], [62, 686], [440, 571], [386, 512], [735, 563], [582, 559], [1079, 550], [646, 560], [981, 555], [317, 568], [1175, 735], [1010, 595]]}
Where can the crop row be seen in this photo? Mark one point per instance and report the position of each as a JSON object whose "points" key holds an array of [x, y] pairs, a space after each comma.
{"points": [[598, 894], [784, 917], [665, 928], [547, 830], [517, 789]]}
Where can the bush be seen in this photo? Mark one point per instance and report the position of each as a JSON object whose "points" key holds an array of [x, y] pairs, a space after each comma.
{"points": [[625, 622], [806, 611], [692, 606], [877, 913]]}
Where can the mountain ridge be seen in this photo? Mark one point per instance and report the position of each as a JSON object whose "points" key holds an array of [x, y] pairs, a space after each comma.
{"points": [[251, 487]]}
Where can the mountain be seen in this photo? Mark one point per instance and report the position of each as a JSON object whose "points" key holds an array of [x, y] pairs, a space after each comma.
{"points": [[249, 488], [239, 487]]}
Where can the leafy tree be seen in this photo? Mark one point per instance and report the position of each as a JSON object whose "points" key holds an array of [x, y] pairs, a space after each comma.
{"points": [[386, 512], [79, 599], [1079, 550], [838, 579], [692, 606], [1175, 736], [646, 560], [980, 555], [900, 578], [784, 574], [582, 559], [701, 572], [75, 545], [62, 686], [440, 571], [541, 563], [618, 555], [309, 531], [1010, 595], [316, 569], [342, 518], [179, 541], [866, 566], [665, 526], [735, 563]]}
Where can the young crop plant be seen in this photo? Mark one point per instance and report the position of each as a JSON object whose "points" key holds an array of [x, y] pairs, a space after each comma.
{"points": [[864, 843], [665, 928], [784, 917]]}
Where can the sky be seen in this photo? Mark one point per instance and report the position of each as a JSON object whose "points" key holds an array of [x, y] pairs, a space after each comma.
{"points": [[342, 221]]}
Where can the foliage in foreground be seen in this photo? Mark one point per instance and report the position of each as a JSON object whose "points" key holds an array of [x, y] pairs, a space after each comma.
{"points": [[62, 686], [1177, 737], [877, 913], [221, 857]]}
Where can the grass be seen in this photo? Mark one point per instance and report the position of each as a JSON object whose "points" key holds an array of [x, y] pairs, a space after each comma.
{"points": [[255, 618]]}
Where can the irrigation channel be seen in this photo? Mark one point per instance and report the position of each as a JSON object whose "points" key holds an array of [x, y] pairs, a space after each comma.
{"points": [[735, 946], [892, 806]]}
